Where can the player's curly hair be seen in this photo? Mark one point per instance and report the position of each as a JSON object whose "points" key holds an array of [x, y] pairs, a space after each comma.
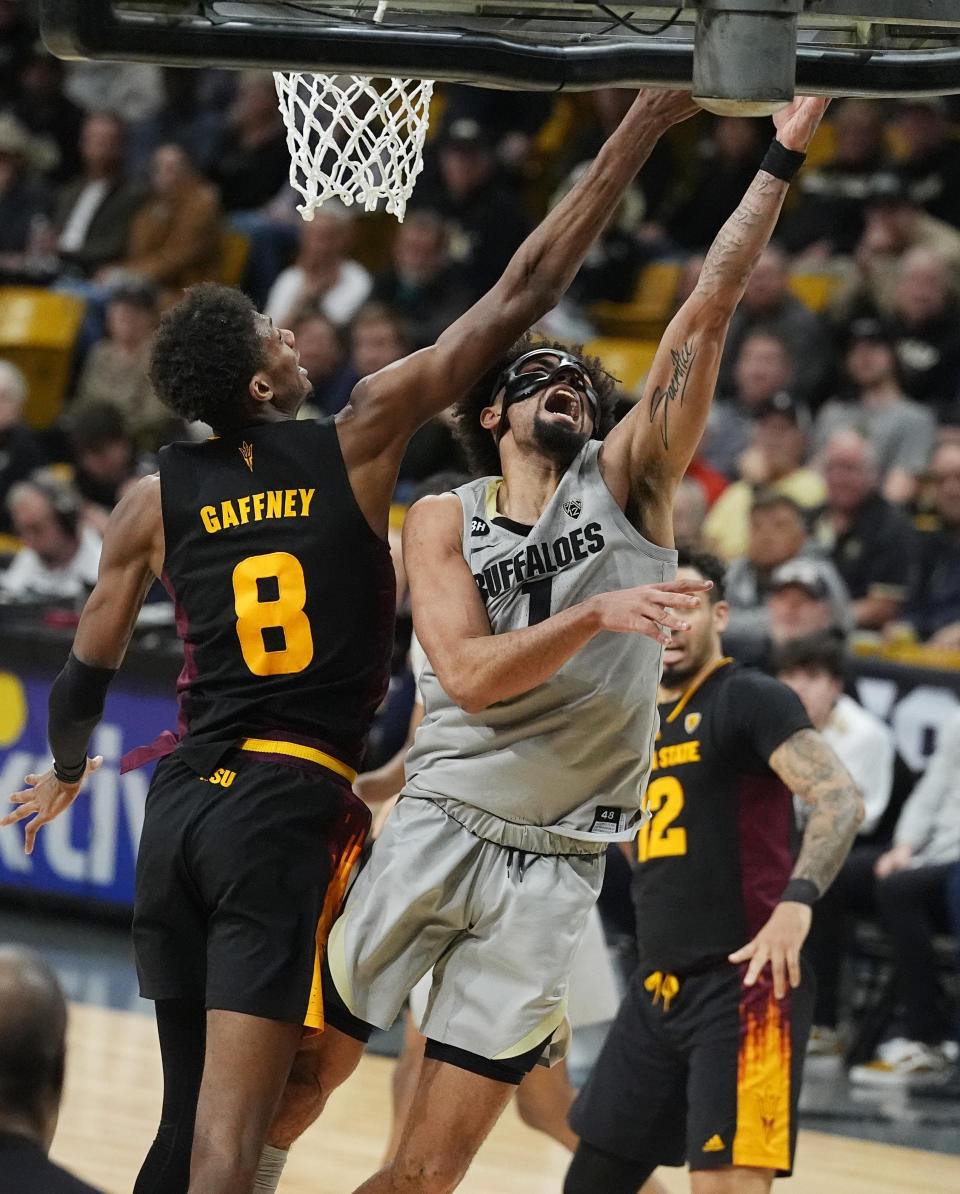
{"points": [[480, 446], [206, 351]]}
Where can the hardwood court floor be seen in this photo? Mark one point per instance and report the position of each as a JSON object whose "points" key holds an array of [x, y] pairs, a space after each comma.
{"points": [[112, 1103]]}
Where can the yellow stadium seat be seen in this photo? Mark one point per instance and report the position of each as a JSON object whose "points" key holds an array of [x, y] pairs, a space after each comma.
{"points": [[627, 359], [38, 331], [815, 290], [234, 251], [650, 309]]}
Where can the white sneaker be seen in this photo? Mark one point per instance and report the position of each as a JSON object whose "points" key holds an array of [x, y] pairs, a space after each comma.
{"points": [[900, 1062], [824, 1042]]}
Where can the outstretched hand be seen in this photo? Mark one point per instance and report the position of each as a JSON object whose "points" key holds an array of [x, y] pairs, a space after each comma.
{"points": [[778, 943], [648, 609], [45, 798], [798, 121]]}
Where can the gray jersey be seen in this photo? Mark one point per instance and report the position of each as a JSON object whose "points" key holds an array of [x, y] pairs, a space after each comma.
{"points": [[572, 755]]}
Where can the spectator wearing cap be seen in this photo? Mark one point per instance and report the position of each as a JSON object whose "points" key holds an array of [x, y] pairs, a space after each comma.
{"points": [[901, 431], [773, 459], [21, 450], [25, 199], [871, 542], [778, 535], [931, 161], [95, 209], [895, 224], [933, 608], [484, 219], [420, 283], [763, 367], [803, 599], [323, 277], [925, 326], [60, 555], [116, 370], [827, 218], [768, 305]]}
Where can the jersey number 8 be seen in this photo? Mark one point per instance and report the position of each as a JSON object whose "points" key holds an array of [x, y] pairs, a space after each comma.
{"points": [[269, 595]]}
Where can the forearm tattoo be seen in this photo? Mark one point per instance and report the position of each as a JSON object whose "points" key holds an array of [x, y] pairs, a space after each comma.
{"points": [[810, 768], [683, 359], [743, 237]]}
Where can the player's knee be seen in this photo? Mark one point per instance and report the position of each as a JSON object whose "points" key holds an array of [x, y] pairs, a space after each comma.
{"points": [[436, 1173]]}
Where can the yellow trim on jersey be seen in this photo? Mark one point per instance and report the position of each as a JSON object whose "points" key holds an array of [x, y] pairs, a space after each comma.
{"points": [[490, 500], [269, 746], [549, 1024], [698, 681]]}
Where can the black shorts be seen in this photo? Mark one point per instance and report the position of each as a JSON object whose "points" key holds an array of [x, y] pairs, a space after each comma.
{"points": [[239, 876], [700, 1070]]}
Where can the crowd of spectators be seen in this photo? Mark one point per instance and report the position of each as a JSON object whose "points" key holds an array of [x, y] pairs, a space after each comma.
{"points": [[829, 475]]}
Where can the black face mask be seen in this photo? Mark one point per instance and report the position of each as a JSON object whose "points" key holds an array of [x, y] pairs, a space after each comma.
{"points": [[517, 385]]}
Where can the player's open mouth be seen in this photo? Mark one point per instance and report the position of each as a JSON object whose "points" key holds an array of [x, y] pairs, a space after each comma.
{"points": [[563, 401]]}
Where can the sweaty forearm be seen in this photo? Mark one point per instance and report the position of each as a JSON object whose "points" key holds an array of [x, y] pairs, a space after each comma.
{"points": [[75, 708]]}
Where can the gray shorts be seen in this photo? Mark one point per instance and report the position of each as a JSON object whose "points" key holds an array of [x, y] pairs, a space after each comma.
{"points": [[498, 928]]}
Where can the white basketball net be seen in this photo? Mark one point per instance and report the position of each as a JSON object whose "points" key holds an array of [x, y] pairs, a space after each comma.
{"points": [[354, 138]]}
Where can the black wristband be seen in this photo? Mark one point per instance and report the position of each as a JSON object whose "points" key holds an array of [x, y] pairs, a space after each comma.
{"points": [[801, 891], [781, 162], [69, 775]]}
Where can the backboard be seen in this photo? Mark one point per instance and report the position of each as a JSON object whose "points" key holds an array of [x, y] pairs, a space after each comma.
{"points": [[745, 50]]}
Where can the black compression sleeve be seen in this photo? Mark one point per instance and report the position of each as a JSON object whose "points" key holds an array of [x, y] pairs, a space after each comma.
{"points": [[75, 707]]}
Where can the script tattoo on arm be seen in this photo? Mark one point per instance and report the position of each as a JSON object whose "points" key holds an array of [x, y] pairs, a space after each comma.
{"points": [[810, 769], [683, 359]]}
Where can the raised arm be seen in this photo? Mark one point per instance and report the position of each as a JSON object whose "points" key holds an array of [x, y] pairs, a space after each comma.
{"points": [[646, 455], [809, 768], [478, 668], [386, 407], [132, 556]]}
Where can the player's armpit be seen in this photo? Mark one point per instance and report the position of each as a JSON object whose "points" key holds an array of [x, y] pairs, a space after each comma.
{"points": [[809, 768]]}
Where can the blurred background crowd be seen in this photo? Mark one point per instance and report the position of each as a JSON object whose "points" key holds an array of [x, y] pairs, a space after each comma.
{"points": [[829, 477]]}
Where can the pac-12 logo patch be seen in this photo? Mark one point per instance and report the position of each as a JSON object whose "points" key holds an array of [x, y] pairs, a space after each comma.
{"points": [[691, 721], [573, 508], [479, 527]]}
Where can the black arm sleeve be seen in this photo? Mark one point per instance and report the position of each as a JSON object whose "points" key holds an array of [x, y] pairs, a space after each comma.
{"points": [[75, 707]]}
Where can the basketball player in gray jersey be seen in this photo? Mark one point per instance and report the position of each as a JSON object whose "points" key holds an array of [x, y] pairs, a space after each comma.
{"points": [[541, 595]]}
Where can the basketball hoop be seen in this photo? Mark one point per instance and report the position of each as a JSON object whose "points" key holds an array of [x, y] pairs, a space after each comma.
{"points": [[354, 138]]}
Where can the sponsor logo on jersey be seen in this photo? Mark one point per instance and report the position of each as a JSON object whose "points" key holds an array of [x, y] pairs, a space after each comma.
{"points": [[246, 451], [573, 508], [479, 527], [714, 1145], [534, 560], [691, 721]]}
